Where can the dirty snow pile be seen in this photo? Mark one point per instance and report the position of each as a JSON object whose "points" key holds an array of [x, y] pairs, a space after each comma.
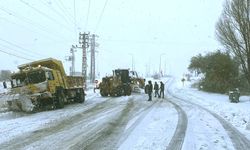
{"points": [[238, 114], [3, 103], [2, 90]]}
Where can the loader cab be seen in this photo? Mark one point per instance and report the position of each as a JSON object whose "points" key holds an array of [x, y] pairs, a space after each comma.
{"points": [[123, 74], [133, 74]]}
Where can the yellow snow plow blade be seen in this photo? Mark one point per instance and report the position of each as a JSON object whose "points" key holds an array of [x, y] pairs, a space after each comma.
{"points": [[17, 102]]}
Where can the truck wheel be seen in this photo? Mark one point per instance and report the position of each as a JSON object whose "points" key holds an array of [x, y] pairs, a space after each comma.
{"points": [[60, 100], [80, 96]]}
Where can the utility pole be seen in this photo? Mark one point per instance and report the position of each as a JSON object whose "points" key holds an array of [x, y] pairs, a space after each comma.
{"points": [[165, 68], [72, 51], [160, 71], [72, 59], [84, 42], [132, 65], [93, 45]]}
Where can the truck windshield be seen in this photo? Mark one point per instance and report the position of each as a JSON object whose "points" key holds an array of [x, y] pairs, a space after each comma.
{"points": [[36, 76], [19, 80], [22, 79]]}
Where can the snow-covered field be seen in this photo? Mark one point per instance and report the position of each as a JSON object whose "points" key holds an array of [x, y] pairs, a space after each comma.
{"points": [[185, 119]]}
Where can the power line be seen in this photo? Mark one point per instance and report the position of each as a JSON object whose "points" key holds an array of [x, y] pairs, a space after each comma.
{"points": [[15, 45], [56, 12], [64, 10], [75, 17], [86, 24], [25, 53], [45, 15], [29, 29], [27, 20], [15, 55], [101, 15]]}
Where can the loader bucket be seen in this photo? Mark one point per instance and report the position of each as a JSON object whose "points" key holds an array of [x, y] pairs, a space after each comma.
{"points": [[17, 102], [135, 88]]}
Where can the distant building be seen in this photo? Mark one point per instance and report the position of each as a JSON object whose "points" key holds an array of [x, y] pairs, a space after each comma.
{"points": [[5, 75]]}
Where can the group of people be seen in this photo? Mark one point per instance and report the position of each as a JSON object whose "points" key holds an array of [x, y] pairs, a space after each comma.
{"points": [[149, 90]]}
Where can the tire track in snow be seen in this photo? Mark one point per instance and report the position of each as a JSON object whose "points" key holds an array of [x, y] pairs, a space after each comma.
{"points": [[142, 114], [180, 131], [111, 137], [240, 142], [103, 136], [87, 114]]}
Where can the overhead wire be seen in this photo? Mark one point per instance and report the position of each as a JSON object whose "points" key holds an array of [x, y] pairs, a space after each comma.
{"points": [[87, 19], [29, 29], [45, 15], [64, 10], [56, 12], [23, 49], [101, 15], [27, 20], [75, 18], [24, 19], [16, 55], [16, 51]]}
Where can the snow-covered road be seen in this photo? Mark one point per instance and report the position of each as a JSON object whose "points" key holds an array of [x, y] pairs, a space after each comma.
{"points": [[185, 119], [100, 123]]}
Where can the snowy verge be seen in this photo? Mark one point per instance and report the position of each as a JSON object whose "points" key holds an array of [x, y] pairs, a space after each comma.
{"points": [[238, 114]]}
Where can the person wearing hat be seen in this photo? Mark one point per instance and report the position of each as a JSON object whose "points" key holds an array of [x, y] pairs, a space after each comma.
{"points": [[156, 89], [162, 89], [150, 90]]}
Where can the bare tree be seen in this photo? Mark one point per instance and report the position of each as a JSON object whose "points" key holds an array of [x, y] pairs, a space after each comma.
{"points": [[233, 31]]}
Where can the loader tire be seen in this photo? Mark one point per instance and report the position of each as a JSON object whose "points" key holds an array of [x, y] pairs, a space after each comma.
{"points": [[127, 90], [103, 94]]}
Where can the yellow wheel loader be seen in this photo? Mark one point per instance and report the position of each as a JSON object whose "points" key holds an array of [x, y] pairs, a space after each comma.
{"points": [[116, 85]]}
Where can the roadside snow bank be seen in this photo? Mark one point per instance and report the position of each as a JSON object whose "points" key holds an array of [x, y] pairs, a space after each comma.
{"points": [[3, 102], [238, 114]]}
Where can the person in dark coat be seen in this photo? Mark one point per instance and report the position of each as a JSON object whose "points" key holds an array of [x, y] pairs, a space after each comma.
{"points": [[156, 88], [162, 89], [146, 89], [150, 90], [4, 85]]}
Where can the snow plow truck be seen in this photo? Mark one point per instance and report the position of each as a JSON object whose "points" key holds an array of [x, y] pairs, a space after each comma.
{"points": [[43, 84]]}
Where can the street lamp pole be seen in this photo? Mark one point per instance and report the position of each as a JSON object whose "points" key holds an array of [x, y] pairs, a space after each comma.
{"points": [[132, 56], [162, 54]]}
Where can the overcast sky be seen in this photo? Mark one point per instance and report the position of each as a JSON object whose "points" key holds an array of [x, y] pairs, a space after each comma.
{"points": [[145, 30]]}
